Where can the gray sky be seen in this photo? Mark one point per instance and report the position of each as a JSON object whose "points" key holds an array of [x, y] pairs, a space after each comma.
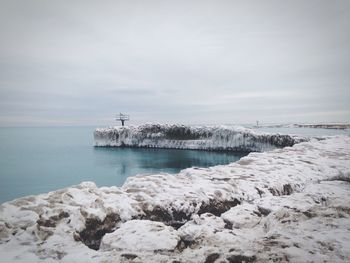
{"points": [[80, 62]]}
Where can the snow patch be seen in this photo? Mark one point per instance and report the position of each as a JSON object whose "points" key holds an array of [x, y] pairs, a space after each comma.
{"points": [[141, 235]]}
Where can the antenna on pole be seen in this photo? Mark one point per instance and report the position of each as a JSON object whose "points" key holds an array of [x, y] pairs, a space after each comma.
{"points": [[122, 117]]}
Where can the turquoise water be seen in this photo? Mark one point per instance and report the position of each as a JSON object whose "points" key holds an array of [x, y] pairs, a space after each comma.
{"points": [[38, 160]]}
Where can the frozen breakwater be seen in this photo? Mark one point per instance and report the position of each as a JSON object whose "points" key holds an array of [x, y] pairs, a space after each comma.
{"points": [[192, 137], [285, 205]]}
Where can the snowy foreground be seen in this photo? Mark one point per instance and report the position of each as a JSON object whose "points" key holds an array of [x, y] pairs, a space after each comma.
{"points": [[286, 205], [192, 137]]}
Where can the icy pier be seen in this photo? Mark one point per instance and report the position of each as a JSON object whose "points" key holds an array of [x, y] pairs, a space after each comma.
{"points": [[192, 137], [285, 205]]}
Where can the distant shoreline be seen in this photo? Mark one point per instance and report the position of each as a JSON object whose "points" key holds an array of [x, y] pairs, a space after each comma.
{"points": [[324, 126], [335, 126]]}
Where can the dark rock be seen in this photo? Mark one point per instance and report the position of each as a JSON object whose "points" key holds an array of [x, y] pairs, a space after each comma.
{"points": [[260, 192], [274, 192], [181, 133], [182, 244], [158, 214], [264, 211], [43, 233], [177, 218], [241, 259], [217, 207], [52, 221], [76, 236], [63, 214], [309, 214], [129, 256], [228, 224], [174, 218], [46, 222], [95, 229], [177, 225], [212, 258], [60, 254], [180, 216], [287, 189], [296, 245]]}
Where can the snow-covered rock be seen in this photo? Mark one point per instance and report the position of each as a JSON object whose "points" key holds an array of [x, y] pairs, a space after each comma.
{"points": [[192, 137], [285, 205], [141, 235], [201, 227], [245, 215]]}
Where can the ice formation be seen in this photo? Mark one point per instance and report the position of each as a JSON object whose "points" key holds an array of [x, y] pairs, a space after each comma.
{"points": [[192, 137], [285, 205]]}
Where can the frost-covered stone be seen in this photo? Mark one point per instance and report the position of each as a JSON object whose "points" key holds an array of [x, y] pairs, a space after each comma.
{"points": [[192, 137], [245, 215], [200, 227], [141, 235]]}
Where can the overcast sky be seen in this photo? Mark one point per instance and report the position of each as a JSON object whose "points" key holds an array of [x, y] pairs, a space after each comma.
{"points": [[80, 62]]}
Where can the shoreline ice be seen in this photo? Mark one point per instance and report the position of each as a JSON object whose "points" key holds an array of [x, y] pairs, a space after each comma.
{"points": [[222, 138], [285, 205]]}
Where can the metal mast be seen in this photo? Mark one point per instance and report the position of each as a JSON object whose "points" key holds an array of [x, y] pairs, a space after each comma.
{"points": [[122, 117]]}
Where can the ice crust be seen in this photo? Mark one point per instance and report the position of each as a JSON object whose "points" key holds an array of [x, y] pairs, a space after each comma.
{"points": [[192, 137], [141, 235], [285, 205]]}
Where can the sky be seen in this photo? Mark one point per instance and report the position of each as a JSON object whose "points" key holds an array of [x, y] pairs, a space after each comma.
{"points": [[192, 62]]}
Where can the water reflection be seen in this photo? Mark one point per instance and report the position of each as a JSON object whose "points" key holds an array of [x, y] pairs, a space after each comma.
{"points": [[130, 161]]}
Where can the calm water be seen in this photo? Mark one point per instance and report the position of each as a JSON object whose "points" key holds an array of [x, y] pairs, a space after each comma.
{"points": [[38, 160]]}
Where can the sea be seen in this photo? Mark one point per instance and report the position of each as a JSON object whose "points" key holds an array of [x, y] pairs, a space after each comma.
{"points": [[41, 159], [36, 160]]}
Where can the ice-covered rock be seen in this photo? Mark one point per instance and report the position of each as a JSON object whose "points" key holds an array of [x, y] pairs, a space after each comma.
{"points": [[201, 227], [141, 235], [285, 205], [245, 215], [192, 137]]}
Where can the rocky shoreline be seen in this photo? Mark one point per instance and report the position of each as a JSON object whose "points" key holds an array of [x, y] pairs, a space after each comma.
{"points": [[285, 205]]}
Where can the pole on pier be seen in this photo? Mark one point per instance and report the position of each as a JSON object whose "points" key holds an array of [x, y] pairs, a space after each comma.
{"points": [[122, 117]]}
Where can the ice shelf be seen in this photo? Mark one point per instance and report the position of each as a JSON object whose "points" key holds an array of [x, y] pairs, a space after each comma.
{"points": [[225, 138]]}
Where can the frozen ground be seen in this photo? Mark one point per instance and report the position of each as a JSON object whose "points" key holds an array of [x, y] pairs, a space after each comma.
{"points": [[228, 138], [286, 205]]}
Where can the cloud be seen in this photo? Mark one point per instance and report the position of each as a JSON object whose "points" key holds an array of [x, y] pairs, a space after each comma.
{"points": [[176, 61]]}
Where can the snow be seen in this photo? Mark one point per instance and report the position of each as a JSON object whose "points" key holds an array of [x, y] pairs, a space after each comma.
{"points": [[200, 227], [286, 205], [192, 137], [243, 216], [141, 235]]}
